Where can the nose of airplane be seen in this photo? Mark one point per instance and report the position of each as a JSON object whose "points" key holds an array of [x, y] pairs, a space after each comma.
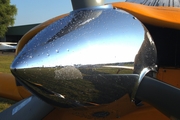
{"points": [[64, 64]]}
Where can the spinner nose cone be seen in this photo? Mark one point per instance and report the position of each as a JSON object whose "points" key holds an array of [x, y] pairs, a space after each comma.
{"points": [[20, 66], [18, 63], [64, 63], [14, 67]]}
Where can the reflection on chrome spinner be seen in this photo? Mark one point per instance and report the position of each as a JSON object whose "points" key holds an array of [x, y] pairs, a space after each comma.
{"points": [[64, 63]]}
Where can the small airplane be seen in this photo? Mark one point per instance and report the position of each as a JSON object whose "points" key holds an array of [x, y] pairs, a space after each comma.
{"points": [[4, 46], [66, 67]]}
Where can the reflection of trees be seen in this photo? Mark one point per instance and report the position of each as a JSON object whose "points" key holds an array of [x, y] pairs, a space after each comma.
{"points": [[68, 73]]}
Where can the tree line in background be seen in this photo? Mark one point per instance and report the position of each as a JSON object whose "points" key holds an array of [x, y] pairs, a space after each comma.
{"points": [[7, 16]]}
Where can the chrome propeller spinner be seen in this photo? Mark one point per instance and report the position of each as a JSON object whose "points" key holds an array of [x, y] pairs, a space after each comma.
{"points": [[75, 60]]}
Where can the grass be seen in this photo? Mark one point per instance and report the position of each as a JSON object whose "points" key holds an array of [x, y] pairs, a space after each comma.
{"points": [[5, 103], [5, 62]]}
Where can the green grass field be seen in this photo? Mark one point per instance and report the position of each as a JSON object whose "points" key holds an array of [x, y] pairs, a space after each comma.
{"points": [[5, 62]]}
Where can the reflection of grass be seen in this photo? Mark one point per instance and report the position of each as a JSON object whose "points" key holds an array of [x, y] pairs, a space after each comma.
{"points": [[96, 85], [74, 89], [99, 84], [5, 62]]}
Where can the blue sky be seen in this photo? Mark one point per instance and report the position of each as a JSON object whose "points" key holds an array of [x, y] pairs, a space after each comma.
{"points": [[38, 11]]}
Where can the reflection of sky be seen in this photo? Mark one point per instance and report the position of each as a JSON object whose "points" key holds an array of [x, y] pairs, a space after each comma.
{"points": [[100, 54], [109, 37]]}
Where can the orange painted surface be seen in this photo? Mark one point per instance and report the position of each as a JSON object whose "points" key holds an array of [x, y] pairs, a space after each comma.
{"points": [[121, 109], [8, 88], [170, 76], [146, 112], [23, 92], [115, 109], [159, 16]]}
